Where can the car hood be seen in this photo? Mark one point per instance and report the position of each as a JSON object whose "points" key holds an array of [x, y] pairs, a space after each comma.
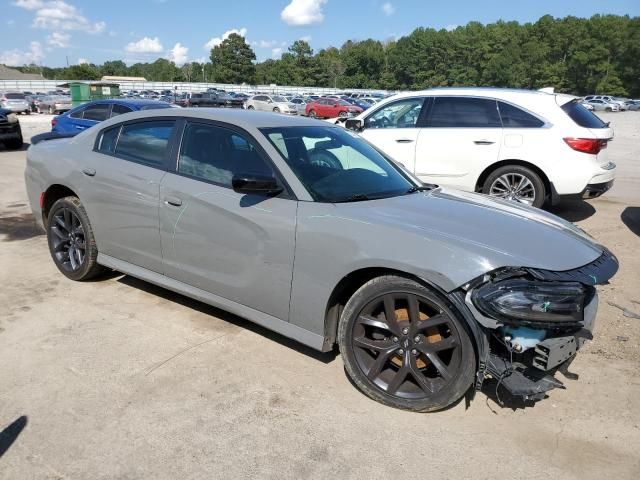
{"points": [[501, 233]]}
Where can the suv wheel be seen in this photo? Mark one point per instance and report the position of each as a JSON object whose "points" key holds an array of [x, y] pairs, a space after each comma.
{"points": [[517, 183], [276, 110], [313, 114], [403, 345], [71, 241], [251, 107]]}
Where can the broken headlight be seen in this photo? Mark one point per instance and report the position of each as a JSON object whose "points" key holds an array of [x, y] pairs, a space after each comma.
{"points": [[522, 301]]}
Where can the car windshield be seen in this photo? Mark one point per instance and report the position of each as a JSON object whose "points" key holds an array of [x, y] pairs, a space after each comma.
{"points": [[279, 99], [336, 165]]}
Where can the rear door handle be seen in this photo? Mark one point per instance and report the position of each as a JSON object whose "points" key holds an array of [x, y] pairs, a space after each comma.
{"points": [[483, 142], [173, 201], [404, 140], [90, 172]]}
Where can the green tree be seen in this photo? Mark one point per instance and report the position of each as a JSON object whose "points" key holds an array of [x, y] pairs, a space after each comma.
{"points": [[233, 61]]}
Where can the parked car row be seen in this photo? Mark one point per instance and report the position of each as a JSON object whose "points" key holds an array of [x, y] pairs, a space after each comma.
{"points": [[608, 103]]}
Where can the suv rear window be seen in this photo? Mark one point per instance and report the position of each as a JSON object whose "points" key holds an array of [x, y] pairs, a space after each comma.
{"points": [[582, 116], [514, 117], [15, 96]]}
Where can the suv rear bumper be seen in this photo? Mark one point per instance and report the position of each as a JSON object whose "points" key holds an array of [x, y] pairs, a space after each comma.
{"points": [[594, 190]]}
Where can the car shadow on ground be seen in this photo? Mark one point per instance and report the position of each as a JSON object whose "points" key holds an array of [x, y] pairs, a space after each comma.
{"points": [[25, 147], [573, 210], [19, 226], [631, 218], [9, 435], [327, 357]]}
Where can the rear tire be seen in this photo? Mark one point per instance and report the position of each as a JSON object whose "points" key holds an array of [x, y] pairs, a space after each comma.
{"points": [[15, 143], [251, 107], [71, 241], [276, 110], [417, 357], [517, 183], [313, 114], [608, 109]]}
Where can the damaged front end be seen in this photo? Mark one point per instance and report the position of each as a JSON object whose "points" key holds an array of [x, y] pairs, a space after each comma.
{"points": [[530, 323]]}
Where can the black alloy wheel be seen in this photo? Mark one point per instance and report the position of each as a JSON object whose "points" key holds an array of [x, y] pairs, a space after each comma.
{"points": [[71, 241], [404, 346]]}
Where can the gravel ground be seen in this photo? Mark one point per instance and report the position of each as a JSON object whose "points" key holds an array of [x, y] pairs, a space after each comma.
{"points": [[120, 379]]}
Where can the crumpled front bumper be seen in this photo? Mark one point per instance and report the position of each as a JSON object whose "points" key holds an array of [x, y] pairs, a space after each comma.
{"points": [[524, 360]]}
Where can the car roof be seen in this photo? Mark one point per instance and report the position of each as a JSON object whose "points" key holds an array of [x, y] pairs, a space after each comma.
{"points": [[476, 91], [246, 119], [134, 102]]}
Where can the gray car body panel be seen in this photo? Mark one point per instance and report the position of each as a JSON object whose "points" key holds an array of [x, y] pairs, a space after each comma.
{"points": [[295, 250]]}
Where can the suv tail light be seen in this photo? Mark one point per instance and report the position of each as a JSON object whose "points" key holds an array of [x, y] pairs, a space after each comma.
{"points": [[54, 121], [587, 145]]}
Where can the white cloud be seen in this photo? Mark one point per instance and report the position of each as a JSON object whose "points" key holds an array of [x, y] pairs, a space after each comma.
{"points": [[215, 41], [145, 45], [59, 15], [82, 61], [178, 54], [17, 57], [303, 12], [451, 27], [267, 43], [306, 38], [276, 52], [388, 9], [11, 23], [57, 39]]}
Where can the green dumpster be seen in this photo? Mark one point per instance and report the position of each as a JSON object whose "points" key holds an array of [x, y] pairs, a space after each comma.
{"points": [[82, 92]]}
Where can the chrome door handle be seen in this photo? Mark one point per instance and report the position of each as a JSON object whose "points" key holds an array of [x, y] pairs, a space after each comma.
{"points": [[483, 142], [89, 172], [173, 201], [79, 127], [404, 140]]}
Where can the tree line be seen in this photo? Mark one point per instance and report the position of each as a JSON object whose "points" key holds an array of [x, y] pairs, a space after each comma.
{"points": [[600, 54]]}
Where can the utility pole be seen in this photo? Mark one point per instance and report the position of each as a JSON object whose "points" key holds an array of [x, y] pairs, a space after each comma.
{"points": [[204, 78]]}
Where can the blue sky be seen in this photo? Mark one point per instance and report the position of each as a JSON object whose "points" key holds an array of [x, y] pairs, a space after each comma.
{"points": [[50, 31]]}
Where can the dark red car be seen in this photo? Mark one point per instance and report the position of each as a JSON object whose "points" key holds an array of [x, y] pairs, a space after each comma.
{"points": [[331, 108]]}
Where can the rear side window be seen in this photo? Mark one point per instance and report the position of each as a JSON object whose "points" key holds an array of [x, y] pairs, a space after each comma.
{"points": [[97, 113], [514, 117], [119, 110], [145, 142], [464, 112], [582, 116], [77, 114], [108, 139]]}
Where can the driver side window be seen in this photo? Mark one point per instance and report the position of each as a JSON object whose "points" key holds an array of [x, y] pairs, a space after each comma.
{"points": [[401, 114]]}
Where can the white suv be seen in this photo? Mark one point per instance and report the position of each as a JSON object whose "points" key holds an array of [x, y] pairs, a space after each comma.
{"points": [[529, 146]]}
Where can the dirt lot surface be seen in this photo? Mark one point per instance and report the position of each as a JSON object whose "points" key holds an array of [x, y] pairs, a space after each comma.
{"points": [[120, 379]]}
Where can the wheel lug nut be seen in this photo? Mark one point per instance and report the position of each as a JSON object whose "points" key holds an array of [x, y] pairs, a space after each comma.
{"points": [[416, 338], [401, 351], [414, 351], [405, 330], [395, 339]]}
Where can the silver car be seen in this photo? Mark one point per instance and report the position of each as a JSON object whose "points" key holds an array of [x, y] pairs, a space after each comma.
{"points": [[271, 103], [306, 229], [15, 101], [53, 104]]}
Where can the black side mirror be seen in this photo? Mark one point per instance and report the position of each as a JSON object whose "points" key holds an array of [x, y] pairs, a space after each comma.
{"points": [[354, 124], [250, 183]]}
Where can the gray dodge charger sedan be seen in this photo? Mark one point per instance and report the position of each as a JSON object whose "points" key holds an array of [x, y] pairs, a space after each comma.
{"points": [[306, 229]]}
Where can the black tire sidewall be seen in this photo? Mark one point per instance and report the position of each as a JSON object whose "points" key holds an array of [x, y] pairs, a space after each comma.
{"points": [[90, 267], [533, 177], [451, 393]]}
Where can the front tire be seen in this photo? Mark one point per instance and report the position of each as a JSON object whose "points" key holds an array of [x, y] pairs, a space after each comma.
{"points": [[517, 183], [251, 107], [15, 143], [276, 110], [403, 345], [71, 241], [313, 114]]}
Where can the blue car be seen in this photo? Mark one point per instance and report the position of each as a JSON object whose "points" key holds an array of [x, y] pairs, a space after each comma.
{"points": [[357, 103], [88, 114]]}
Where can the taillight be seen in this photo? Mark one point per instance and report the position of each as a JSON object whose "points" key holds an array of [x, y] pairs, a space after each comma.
{"points": [[54, 122], [587, 145], [42, 199]]}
